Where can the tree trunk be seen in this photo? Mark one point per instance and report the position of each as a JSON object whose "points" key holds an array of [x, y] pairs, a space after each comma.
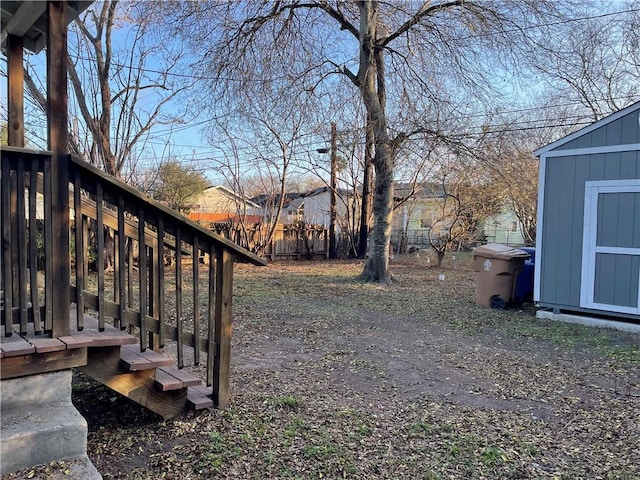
{"points": [[372, 87], [377, 266]]}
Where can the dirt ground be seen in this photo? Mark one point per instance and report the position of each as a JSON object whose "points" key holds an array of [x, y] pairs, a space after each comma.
{"points": [[332, 378]]}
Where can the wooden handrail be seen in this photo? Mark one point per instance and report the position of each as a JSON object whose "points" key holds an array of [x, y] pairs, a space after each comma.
{"points": [[158, 209]]}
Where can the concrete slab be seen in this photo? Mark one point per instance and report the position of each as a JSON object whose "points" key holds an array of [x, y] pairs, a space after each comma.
{"points": [[590, 321], [69, 469]]}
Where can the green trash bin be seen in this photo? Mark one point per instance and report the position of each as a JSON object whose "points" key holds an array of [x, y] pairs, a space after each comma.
{"points": [[497, 267]]}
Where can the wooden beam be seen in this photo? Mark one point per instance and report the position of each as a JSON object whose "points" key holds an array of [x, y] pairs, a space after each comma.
{"points": [[15, 87], [58, 137], [12, 367], [25, 17]]}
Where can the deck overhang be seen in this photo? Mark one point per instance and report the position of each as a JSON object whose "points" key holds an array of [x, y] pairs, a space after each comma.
{"points": [[28, 19]]}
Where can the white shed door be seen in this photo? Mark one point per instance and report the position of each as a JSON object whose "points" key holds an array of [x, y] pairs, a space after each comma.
{"points": [[611, 246]]}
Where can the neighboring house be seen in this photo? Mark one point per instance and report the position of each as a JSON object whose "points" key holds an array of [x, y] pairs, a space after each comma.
{"points": [[423, 206], [588, 239], [316, 207], [412, 220], [292, 210], [504, 228], [311, 207], [220, 204]]}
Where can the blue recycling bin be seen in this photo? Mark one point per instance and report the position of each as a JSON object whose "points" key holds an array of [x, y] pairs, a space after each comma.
{"points": [[524, 281]]}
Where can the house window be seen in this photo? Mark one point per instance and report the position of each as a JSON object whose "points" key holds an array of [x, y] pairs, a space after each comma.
{"points": [[514, 227]]}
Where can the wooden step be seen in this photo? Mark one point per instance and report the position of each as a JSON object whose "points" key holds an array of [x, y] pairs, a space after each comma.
{"points": [[132, 359], [172, 378], [15, 346], [199, 397], [31, 342]]}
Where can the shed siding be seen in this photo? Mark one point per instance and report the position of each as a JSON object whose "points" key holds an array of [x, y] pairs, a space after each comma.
{"points": [[621, 284], [616, 227], [623, 131], [563, 220]]}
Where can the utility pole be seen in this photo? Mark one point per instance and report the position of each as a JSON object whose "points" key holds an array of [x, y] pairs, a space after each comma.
{"points": [[333, 184], [367, 189]]}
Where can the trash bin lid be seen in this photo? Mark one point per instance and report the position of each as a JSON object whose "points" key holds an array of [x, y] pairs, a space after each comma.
{"points": [[499, 251]]}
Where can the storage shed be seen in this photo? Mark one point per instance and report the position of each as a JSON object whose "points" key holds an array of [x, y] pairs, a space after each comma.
{"points": [[588, 238]]}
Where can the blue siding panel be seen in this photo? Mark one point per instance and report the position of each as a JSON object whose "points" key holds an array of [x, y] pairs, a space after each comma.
{"points": [[616, 281], [623, 131]]}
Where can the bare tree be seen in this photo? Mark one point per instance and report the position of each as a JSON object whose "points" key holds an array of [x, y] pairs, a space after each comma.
{"points": [[462, 201], [111, 85], [513, 171], [504, 153], [259, 145], [394, 53], [593, 62]]}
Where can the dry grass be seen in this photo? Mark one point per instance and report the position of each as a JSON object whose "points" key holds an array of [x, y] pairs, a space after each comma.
{"points": [[333, 378]]}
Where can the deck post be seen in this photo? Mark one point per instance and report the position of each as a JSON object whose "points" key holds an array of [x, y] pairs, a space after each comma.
{"points": [[223, 317], [58, 137], [15, 137], [15, 90]]}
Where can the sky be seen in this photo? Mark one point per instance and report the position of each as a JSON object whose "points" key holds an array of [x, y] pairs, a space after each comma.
{"points": [[185, 142]]}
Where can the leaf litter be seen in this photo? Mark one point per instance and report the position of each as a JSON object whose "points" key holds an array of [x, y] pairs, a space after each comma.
{"points": [[333, 378]]}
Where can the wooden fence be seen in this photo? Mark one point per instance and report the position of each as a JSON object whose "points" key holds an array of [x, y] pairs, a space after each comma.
{"points": [[289, 242]]}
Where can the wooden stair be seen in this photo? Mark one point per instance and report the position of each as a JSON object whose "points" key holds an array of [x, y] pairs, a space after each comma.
{"points": [[113, 358], [148, 378]]}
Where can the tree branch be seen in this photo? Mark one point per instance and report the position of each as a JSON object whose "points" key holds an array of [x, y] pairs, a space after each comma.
{"points": [[426, 10]]}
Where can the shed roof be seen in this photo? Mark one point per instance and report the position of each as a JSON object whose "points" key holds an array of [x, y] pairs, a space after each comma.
{"points": [[591, 128], [28, 19]]}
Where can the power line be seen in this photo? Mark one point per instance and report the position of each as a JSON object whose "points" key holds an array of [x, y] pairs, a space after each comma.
{"points": [[459, 135]]}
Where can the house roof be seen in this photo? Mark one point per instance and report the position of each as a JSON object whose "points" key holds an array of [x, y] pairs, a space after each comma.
{"points": [[589, 128], [295, 199], [28, 19], [235, 196], [402, 190]]}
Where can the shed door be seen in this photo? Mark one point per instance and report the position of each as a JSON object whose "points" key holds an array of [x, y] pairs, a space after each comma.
{"points": [[611, 246]]}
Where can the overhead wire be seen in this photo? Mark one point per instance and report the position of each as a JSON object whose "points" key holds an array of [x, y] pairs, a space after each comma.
{"points": [[175, 129]]}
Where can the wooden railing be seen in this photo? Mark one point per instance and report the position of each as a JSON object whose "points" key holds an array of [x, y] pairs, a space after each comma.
{"points": [[113, 225]]}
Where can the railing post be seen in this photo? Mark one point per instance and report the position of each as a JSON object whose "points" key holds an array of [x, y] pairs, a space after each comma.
{"points": [[15, 91], [58, 136], [224, 294]]}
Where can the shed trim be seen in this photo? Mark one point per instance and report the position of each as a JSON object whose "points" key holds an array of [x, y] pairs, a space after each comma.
{"points": [[537, 266], [589, 128], [589, 243], [630, 147]]}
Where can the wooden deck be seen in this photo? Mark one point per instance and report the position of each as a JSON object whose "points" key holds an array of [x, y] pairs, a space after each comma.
{"points": [[90, 336], [41, 240]]}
